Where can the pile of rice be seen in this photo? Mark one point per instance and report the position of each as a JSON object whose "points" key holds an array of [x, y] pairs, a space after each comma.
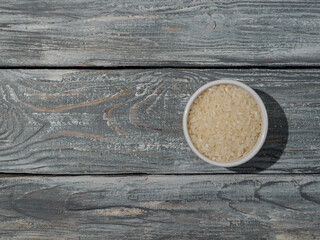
{"points": [[224, 123]]}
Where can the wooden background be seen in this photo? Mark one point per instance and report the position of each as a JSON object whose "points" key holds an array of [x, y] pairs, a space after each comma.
{"points": [[91, 101]]}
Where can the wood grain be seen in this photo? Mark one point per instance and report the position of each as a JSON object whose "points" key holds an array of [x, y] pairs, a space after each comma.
{"points": [[111, 122], [161, 207], [153, 33]]}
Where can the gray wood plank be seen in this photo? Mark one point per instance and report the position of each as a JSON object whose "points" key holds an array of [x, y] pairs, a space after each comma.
{"points": [[170, 33], [165, 207], [110, 122]]}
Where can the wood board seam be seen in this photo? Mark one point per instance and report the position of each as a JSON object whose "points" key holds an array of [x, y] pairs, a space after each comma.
{"points": [[284, 67], [14, 175]]}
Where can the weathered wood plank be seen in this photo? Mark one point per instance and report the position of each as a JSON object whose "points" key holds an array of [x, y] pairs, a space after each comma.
{"points": [[113, 33], [101, 122], [167, 207]]}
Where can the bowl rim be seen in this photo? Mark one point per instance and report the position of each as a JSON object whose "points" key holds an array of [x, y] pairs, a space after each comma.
{"points": [[262, 136]]}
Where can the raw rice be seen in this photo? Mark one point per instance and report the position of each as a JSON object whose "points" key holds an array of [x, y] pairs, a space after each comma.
{"points": [[224, 123]]}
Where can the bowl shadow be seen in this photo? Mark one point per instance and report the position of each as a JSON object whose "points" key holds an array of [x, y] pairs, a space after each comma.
{"points": [[276, 140]]}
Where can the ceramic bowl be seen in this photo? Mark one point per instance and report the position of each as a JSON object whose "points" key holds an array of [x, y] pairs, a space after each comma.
{"points": [[262, 136]]}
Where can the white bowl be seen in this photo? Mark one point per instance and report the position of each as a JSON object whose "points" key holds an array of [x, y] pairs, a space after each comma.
{"points": [[261, 139]]}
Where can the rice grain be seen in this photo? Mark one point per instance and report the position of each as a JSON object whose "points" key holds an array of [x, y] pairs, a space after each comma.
{"points": [[224, 123]]}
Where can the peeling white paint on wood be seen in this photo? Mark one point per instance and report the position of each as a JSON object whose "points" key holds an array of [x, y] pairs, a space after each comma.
{"points": [[100, 122], [157, 207], [154, 33]]}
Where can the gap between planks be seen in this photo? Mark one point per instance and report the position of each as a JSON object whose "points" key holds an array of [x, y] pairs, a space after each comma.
{"points": [[13, 175], [284, 67]]}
